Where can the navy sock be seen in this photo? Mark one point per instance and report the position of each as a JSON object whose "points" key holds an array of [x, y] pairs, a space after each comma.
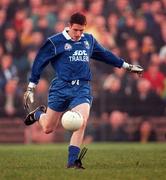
{"points": [[37, 115], [73, 154]]}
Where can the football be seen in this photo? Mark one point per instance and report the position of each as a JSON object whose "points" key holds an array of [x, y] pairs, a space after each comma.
{"points": [[72, 120]]}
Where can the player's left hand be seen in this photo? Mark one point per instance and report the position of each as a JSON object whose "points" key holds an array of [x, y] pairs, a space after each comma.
{"points": [[135, 69], [28, 98]]}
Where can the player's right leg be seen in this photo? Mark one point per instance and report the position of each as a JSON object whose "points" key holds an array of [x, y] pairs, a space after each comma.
{"points": [[57, 104], [48, 119]]}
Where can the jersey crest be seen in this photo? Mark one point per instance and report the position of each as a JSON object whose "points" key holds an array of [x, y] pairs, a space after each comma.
{"points": [[87, 44], [67, 47]]}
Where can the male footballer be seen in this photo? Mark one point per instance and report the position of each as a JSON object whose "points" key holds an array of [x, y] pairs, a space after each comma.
{"points": [[69, 53]]}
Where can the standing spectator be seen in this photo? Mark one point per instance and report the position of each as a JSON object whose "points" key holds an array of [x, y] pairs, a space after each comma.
{"points": [[8, 71]]}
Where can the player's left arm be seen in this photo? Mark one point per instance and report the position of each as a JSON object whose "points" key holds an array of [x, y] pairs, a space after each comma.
{"points": [[102, 54]]}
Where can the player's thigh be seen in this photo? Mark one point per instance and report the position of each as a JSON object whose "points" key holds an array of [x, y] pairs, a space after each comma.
{"points": [[53, 117], [83, 109]]}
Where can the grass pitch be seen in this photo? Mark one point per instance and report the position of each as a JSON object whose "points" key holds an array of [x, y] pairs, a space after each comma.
{"points": [[103, 162]]}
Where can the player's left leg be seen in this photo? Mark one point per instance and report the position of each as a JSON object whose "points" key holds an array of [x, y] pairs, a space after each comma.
{"points": [[77, 136]]}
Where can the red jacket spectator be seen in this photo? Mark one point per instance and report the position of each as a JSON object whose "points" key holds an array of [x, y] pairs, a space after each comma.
{"points": [[155, 77]]}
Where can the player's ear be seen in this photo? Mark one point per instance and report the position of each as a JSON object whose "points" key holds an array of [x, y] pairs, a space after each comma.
{"points": [[69, 25]]}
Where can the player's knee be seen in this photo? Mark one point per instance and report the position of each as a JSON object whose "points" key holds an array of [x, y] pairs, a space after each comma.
{"points": [[47, 130]]}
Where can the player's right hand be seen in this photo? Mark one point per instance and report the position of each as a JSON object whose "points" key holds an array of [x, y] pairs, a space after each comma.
{"points": [[28, 98]]}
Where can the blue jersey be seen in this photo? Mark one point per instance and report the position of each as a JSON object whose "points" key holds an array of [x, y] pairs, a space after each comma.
{"points": [[71, 59]]}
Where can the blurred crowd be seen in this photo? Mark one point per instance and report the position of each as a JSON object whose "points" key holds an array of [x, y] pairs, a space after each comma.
{"points": [[132, 29]]}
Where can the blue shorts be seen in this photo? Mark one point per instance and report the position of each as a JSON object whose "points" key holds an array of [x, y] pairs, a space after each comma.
{"points": [[65, 95]]}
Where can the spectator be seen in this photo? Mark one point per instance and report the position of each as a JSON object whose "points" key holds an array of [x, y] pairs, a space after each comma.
{"points": [[126, 31], [37, 39], [146, 102], [19, 18], [96, 8], [157, 31], [128, 83], [8, 70], [1, 51], [112, 95], [162, 53], [131, 44], [103, 36], [113, 129], [12, 100], [155, 77], [121, 6], [148, 46], [141, 29], [145, 132], [7, 6], [43, 27], [147, 49], [134, 56], [31, 54], [162, 56], [163, 32], [59, 26], [11, 42], [26, 38], [112, 23], [2, 22]]}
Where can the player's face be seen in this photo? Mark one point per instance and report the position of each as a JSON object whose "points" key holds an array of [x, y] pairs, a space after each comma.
{"points": [[76, 31]]}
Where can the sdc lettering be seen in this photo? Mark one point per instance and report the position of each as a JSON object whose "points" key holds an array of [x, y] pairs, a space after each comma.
{"points": [[79, 55]]}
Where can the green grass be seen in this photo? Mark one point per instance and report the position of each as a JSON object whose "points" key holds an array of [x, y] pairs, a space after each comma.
{"points": [[103, 162]]}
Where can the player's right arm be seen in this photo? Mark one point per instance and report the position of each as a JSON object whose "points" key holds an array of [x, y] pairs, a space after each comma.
{"points": [[45, 53]]}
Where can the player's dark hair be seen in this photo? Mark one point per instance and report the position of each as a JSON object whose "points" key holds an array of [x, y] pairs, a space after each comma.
{"points": [[78, 18]]}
